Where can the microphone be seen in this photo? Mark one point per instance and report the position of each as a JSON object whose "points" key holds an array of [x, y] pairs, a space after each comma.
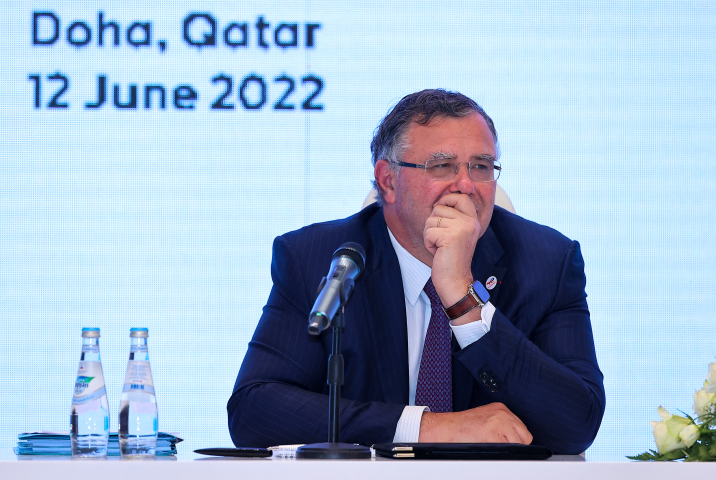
{"points": [[347, 265]]}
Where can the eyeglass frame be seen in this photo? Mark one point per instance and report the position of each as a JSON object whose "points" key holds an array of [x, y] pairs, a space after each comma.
{"points": [[495, 164]]}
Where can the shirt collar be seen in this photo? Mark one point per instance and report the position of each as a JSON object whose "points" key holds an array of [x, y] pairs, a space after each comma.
{"points": [[414, 272]]}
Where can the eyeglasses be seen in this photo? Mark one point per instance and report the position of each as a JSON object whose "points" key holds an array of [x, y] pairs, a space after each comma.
{"points": [[480, 170]]}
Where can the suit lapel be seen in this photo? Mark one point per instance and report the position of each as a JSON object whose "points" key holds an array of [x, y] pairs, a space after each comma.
{"points": [[384, 302], [487, 253], [484, 263]]}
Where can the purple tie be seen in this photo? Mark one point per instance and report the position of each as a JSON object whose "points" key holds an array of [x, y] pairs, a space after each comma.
{"points": [[435, 377]]}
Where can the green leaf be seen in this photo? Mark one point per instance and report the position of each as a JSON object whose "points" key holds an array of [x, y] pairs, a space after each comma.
{"points": [[646, 456], [654, 456], [708, 437], [711, 450], [675, 455]]}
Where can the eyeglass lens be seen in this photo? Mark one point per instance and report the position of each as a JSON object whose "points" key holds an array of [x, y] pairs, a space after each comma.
{"points": [[480, 170]]}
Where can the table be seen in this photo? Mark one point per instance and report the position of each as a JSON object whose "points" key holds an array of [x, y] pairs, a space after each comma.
{"points": [[193, 467]]}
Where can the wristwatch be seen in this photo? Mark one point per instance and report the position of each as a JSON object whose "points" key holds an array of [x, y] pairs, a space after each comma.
{"points": [[477, 296]]}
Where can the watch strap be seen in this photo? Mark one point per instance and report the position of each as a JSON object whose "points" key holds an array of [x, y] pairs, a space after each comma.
{"points": [[476, 296]]}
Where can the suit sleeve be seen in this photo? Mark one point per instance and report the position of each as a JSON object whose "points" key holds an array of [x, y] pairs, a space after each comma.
{"points": [[547, 375], [280, 395]]}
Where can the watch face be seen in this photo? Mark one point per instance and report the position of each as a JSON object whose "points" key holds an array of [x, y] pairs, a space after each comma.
{"points": [[480, 292]]}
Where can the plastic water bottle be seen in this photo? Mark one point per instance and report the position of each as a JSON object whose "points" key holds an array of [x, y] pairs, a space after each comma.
{"points": [[138, 407], [89, 418]]}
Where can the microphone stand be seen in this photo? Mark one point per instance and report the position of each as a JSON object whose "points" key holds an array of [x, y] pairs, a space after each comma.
{"points": [[333, 449]]}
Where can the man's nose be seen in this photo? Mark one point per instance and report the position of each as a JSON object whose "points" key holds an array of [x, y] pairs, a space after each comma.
{"points": [[462, 183]]}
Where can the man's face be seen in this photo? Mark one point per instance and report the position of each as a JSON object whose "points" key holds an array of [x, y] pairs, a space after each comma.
{"points": [[415, 192]]}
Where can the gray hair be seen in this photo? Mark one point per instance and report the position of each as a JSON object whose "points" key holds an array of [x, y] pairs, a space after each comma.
{"points": [[389, 140]]}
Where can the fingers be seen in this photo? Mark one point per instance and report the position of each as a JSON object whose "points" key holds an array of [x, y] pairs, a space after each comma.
{"points": [[524, 435], [447, 212], [506, 432], [435, 237], [456, 201], [507, 436], [439, 222], [506, 426], [518, 431], [450, 224], [445, 217], [430, 244], [434, 229]]}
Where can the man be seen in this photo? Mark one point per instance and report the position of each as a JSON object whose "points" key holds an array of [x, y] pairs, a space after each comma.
{"points": [[518, 368]]}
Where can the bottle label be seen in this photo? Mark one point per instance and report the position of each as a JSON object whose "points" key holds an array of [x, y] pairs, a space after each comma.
{"points": [[90, 348], [89, 384], [138, 348], [138, 377]]}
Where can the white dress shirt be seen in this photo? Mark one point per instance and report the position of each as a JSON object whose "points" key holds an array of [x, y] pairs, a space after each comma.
{"points": [[417, 308]]}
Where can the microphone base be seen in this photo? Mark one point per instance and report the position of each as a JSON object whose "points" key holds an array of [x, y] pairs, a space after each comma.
{"points": [[333, 451]]}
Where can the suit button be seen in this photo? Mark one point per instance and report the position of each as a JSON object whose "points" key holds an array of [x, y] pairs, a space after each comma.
{"points": [[485, 378], [493, 388]]}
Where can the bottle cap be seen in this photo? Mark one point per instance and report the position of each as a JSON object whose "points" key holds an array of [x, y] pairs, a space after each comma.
{"points": [[90, 333], [138, 332]]}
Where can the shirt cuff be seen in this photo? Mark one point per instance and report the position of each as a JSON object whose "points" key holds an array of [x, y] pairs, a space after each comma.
{"points": [[408, 429], [471, 332]]}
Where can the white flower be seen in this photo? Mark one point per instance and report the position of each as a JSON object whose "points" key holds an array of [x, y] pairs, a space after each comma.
{"points": [[704, 399], [667, 431], [711, 378], [690, 434]]}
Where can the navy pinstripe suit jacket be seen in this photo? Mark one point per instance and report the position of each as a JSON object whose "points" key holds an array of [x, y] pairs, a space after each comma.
{"points": [[538, 358]]}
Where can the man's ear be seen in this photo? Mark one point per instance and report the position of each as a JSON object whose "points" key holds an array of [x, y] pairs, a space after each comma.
{"points": [[386, 176]]}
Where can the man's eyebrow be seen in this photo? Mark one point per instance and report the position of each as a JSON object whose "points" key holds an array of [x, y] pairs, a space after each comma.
{"points": [[484, 157], [439, 155]]}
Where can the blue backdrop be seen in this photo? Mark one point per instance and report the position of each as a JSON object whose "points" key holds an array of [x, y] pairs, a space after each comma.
{"points": [[250, 119]]}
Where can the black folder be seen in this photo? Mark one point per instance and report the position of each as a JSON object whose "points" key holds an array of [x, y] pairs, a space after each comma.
{"points": [[462, 451]]}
